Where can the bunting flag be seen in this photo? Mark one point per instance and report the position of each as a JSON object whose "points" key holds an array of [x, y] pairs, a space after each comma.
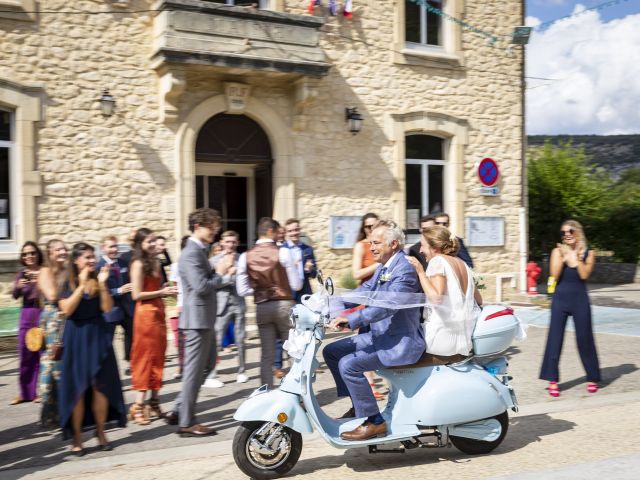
{"points": [[347, 9]]}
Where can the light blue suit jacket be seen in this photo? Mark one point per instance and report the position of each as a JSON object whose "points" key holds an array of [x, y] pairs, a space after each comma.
{"points": [[396, 334]]}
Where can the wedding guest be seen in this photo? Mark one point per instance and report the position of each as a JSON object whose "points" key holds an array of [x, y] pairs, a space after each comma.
{"points": [[26, 286], [90, 392], [364, 263], [230, 305], [124, 260], [269, 274], [442, 219], [178, 336], [571, 265], [199, 284], [426, 221], [122, 311], [49, 283], [163, 256], [150, 330]]}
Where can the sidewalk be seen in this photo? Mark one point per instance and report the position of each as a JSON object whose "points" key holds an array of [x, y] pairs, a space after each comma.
{"points": [[576, 428]]}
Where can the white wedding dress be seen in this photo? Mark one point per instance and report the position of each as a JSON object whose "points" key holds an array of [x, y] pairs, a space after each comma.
{"points": [[451, 318]]}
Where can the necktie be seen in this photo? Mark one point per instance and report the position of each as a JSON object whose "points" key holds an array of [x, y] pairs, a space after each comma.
{"points": [[115, 268]]}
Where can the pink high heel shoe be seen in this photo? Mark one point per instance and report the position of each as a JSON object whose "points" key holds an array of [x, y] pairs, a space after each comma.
{"points": [[554, 390], [592, 387]]}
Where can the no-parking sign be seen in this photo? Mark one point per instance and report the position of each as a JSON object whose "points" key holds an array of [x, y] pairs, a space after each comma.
{"points": [[488, 172]]}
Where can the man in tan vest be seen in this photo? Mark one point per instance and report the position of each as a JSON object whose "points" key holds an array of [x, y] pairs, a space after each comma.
{"points": [[269, 274]]}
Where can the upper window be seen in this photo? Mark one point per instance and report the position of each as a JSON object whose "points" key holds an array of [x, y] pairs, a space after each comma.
{"points": [[422, 27], [6, 150], [424, 176]]}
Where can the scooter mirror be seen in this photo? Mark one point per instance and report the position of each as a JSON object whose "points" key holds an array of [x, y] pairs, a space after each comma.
{"points": [[319, 277], [328, 285]]}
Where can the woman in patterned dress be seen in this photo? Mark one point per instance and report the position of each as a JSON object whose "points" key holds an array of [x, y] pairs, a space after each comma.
{"points": [[49, 282]]}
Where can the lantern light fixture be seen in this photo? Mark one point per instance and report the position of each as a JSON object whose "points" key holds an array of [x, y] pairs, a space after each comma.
{"points": [[354, 119], [107, 103]]}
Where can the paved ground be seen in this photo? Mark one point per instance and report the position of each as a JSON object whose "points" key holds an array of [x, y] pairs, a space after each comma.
{"points": [[581, 433]]}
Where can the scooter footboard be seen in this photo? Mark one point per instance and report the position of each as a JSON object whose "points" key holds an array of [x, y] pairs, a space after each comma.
{"points": [[270, 405]]}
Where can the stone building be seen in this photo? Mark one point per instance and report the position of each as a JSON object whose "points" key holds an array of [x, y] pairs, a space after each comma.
{"points": [[243, 107]]}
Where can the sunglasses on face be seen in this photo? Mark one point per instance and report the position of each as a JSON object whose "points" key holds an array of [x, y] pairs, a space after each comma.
{"points": [[564, 233], [444, 224], [28, 254], [368, 226]]}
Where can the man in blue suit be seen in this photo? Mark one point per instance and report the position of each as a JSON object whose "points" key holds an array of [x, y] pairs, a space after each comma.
{"points": [[395, 336], [120, 289], [303, 257]]}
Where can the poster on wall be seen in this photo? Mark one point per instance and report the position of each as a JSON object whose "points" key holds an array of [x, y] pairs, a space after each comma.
{"points": [[343, 231], [484, 231]]}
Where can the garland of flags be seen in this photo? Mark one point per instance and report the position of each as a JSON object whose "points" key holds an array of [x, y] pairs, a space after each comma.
{"points": [[347, 7]]}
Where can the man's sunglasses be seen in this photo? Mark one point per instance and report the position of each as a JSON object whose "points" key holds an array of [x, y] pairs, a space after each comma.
{"points": [[444, 224], [564, 233]]}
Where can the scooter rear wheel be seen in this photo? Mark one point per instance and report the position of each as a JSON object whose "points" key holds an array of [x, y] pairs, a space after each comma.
{"points": [[261, 461], [478, 447]]}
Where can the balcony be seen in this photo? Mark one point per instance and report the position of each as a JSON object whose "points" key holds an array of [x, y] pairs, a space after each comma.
{"points": [[237, 39]]}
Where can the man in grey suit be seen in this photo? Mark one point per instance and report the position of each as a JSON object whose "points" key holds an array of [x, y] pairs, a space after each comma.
{"points": [[199, 284], [231, 307]]}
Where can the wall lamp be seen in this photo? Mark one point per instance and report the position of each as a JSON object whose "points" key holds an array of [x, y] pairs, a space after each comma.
{"points": [[354, 119], [107, 103]]}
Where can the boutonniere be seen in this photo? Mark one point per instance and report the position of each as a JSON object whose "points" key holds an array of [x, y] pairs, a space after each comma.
{"points": [[385, 277]]}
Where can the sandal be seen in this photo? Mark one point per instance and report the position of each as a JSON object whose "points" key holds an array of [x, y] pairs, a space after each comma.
{"points": [[138, 413], [592, 387], [16, 401], [554, 390], [154, 408]]}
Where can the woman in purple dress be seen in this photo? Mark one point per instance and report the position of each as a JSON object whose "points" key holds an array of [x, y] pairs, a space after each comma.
{"points": [[26, 286]]}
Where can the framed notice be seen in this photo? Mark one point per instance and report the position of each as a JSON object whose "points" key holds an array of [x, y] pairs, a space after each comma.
{"points": [[484, 231], [343, 231]]}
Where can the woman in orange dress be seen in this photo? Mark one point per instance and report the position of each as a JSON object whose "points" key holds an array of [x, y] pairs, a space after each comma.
{"points": [[149, 326], [364, 265]]}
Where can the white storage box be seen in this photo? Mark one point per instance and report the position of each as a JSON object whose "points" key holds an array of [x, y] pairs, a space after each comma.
{"points": [[496, 328]]}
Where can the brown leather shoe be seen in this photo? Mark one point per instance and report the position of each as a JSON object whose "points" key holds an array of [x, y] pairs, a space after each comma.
{"points": [[279, 373], [196, 430], [172, 418], [366, 431]]}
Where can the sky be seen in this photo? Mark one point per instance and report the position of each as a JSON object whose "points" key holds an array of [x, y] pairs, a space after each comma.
{"points": [[587, 68]]}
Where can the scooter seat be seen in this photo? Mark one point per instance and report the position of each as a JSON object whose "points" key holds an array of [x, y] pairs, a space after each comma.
{"points": [[429, 359]]}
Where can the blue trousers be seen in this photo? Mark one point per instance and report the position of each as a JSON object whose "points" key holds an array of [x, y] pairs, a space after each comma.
{"points": [[580, 310], [348, 359]]}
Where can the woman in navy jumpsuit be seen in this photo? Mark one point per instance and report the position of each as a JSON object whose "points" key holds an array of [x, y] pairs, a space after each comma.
{"points": [[571, 264]]}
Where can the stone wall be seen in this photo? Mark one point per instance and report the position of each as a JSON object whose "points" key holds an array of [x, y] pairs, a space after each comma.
{"points": [[108, 175]]}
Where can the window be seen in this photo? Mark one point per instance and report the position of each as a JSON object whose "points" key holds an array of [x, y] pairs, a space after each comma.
{"points": [[424, 176], [6, 153], [422, 27]]}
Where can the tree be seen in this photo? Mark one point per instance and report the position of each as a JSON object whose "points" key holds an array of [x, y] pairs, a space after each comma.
{"points": [[562, 186]]}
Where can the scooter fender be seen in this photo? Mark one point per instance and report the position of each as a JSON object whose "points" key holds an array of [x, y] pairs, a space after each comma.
{"points": [[266, 406]]}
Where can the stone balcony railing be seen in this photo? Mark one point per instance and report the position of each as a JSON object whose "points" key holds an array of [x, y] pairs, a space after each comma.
{"points": [[195, 32]]}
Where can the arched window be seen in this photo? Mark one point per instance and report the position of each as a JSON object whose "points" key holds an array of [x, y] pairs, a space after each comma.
{"points": [[424, 177]]}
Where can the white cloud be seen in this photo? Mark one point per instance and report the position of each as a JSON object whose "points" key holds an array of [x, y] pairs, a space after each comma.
{"points": [[596, 65]]}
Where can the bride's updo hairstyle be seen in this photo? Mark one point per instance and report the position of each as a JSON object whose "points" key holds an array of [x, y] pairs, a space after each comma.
{"points": [[442, 239]]}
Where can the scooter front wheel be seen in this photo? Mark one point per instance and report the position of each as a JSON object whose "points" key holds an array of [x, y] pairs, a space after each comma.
{"points": [[265, 450]]}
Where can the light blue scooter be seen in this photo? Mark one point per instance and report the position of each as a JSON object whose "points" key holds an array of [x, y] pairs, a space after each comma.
{"points": [[463, 403]]}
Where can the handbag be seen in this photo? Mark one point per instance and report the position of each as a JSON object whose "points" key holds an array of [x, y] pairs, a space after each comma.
{"points": [[34, 339]]}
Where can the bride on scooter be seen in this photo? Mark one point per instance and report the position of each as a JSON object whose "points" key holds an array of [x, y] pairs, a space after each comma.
{"points": [[395, 338], [454, 299]]}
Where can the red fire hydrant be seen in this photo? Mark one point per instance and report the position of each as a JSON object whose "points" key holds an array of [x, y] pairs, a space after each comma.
{"points": [[533, 273]]}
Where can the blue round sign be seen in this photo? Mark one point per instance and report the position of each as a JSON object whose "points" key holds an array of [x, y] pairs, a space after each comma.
{"points": [[488, 171]]}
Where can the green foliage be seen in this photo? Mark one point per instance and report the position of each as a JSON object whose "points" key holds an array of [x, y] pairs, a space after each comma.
{"points": [[563, 185]]}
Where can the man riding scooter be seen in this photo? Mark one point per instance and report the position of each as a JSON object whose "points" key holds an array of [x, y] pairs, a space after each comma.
{"points": [[395, 336]]}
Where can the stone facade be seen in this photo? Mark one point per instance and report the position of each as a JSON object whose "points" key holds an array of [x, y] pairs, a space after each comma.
{"points": [[101, 175]]}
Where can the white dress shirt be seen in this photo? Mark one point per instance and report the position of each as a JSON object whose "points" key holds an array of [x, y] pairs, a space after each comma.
{"points": [[286, 260], [296, 253]]}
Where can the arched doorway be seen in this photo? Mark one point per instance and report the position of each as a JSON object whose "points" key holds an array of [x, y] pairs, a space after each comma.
{"points": [[234, 172]]}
